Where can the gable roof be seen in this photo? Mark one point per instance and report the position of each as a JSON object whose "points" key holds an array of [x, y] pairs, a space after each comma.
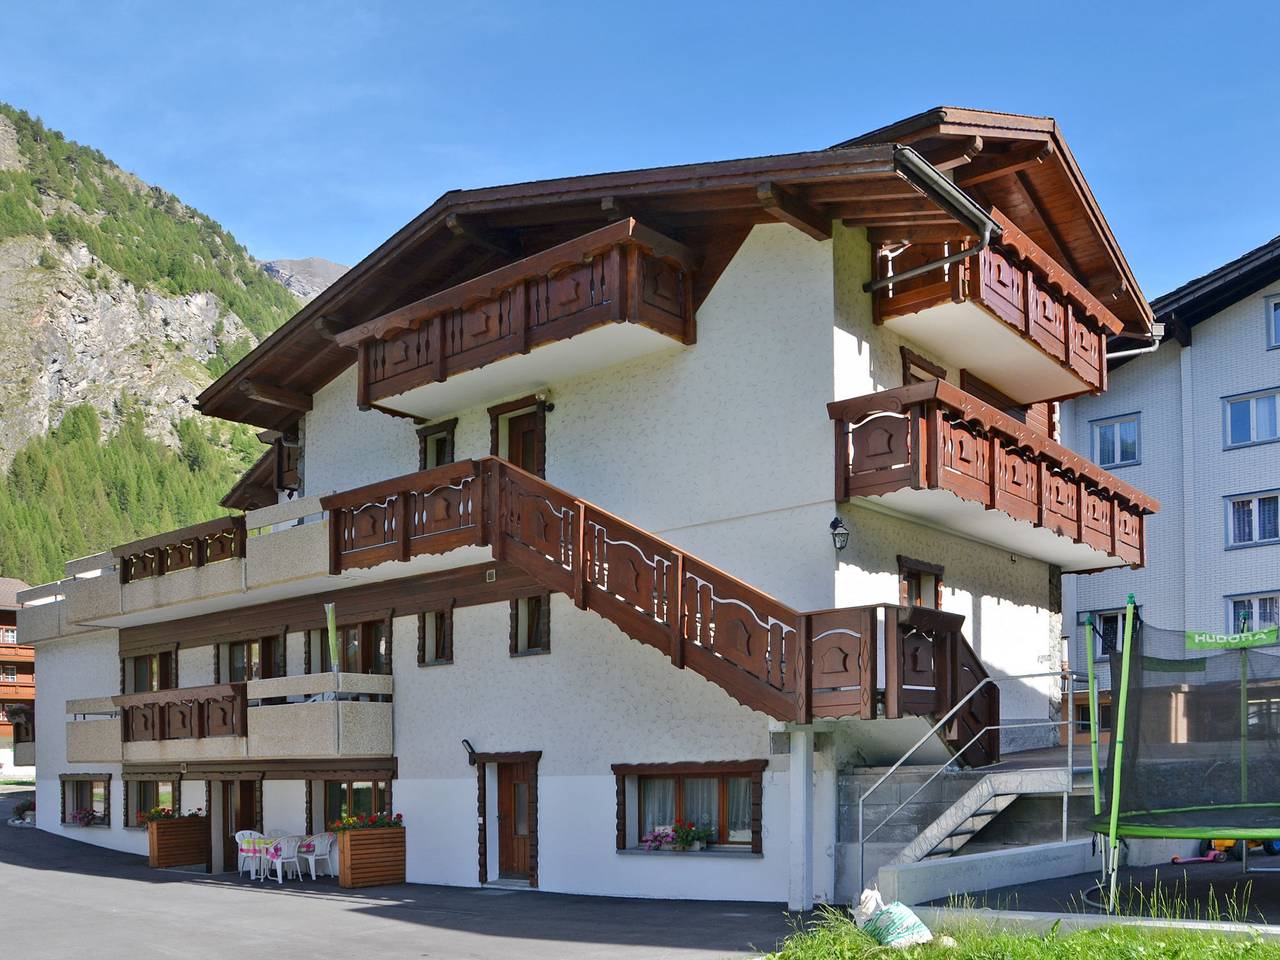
{"points": [[1206, 295], [1022, 165], [708, 207]]}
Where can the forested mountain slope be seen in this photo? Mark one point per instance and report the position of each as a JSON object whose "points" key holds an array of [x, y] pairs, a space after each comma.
{"points": [[118, 305]]}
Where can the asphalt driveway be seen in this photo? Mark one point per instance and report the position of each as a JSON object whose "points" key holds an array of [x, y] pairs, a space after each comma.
{"points": [[68, 898]]}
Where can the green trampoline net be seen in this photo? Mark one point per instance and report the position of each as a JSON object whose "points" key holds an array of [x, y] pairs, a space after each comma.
{"points": [[1201, 755]]}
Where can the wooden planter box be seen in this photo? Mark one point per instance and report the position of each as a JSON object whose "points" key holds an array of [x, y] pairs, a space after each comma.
{"points": [[175, 843], [371, 858]]}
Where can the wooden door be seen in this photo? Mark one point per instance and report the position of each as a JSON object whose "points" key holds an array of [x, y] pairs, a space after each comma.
{"points": [[525, 442], [239, 812], [517, 819]]}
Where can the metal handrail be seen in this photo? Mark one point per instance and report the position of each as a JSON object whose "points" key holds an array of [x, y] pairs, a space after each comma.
{"points": [[1064, 675]]}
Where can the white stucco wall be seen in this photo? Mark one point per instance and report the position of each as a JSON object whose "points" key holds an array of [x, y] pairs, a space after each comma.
{"points": [[596, 699], [87, 665]]}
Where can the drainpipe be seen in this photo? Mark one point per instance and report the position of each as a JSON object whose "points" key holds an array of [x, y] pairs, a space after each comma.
{"points": [[1134, 353], [921, 174]]}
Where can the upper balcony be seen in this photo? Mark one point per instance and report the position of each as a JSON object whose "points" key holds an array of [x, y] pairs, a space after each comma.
{"points": [[604, 298], [1009, 315], [278, 551], [932, 451], [313, 716]]}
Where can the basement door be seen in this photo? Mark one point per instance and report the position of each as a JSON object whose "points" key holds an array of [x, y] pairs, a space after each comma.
{"points": [[517, 820]]}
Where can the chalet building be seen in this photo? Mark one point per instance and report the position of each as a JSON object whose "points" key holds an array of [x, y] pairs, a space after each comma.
{"points": [[675, 493], [17, 687], [1194, 422]]}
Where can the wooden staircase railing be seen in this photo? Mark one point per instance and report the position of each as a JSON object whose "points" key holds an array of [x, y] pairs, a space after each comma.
{"points": [[792, 665]]}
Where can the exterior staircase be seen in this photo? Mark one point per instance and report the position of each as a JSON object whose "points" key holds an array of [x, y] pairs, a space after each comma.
{"points": [[977, 807], [871, 662]]}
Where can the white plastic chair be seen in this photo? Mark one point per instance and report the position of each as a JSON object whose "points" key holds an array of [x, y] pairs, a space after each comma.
{"points": [[246, 861], [288, 858], [321, 849]]}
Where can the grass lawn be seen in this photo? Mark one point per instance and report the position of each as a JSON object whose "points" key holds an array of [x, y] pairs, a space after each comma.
{"points": [[17, 783], [835, 937]]}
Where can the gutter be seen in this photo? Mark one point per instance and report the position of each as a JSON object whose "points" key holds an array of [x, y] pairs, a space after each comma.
{"points": [[926, 178]]}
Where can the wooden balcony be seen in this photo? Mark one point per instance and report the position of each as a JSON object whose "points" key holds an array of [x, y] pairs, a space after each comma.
{"points": [[604, 298], [933, 452], [316, 716], [17, 653], [1009, 315], [195, 546]]}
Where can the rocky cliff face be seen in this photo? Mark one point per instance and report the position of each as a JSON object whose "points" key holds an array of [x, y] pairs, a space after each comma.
{"points": [[306, 279], [73, 329]]}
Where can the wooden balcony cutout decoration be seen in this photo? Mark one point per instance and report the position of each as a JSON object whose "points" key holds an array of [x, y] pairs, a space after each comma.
{"points": [[184, 713], [904, 444], [1010, 315], [622, 273], [194, 546]]}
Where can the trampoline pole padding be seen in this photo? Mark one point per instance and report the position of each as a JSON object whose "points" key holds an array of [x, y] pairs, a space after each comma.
{"points": [[1093, 714], [1117, 746]]}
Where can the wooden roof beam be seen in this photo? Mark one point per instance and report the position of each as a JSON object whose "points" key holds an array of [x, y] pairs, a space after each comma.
{"points": [[467, 229], [329, 328], [998, 166], [955, 154], [787, 207], [276, 396]]}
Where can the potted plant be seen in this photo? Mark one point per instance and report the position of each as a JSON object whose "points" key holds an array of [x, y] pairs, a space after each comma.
{"points": [[174, 838], [86, 817], [25, 810], [682, 835], [370, 849]]}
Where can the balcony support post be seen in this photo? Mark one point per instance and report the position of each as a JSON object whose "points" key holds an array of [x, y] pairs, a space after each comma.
{"points": [[800, 777], [675, 612]]}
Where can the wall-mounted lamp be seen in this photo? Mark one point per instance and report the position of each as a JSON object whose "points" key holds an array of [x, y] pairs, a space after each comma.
{"points": [[471, 751], [839, 534]]}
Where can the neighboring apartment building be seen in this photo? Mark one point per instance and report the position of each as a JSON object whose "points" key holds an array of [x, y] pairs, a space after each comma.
{"points": [[17, 687], [1194, 423], [822, 377]]}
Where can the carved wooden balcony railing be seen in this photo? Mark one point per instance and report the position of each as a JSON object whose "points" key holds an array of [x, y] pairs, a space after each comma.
{"points": [[934, 436], [622, 273], [756, 648], [1018, 284], [928, 668], [184, 713], [194, 546]]}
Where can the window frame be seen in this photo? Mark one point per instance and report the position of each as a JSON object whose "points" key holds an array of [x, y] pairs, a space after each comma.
{"points": [[8, 634], [161, 671], [9, 672], [1117, 612], [69, 788], [500, 417], [133, 804], [1095, 428], [1229, 502], [1230, 600], [629, 777], [522, 619], [445, 429], [910, 570], [441, 642], [367, 647], [1273, 322], [381, 790], [918, 369], [1251, 396], [278, 643]]}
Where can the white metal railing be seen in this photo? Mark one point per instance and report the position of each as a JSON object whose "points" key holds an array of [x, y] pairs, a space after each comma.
{"points": [[1068, 691]]}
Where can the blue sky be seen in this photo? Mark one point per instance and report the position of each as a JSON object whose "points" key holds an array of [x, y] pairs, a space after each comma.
{"points": [[318, 128]]}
